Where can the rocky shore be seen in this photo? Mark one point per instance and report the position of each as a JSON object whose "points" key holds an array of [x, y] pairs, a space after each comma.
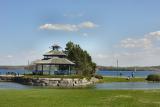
{"points": [[51, 82]]}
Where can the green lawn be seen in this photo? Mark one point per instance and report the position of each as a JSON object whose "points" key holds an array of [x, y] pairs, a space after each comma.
{"points": [[79, 98], [122, 79]]}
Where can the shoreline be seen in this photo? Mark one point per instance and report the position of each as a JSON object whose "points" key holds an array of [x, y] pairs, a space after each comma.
{"points": [[51, 82]]}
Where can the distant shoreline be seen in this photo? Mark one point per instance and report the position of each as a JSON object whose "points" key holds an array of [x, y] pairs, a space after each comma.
{"points": [[128, 70], [112, 68], [12, 67]]}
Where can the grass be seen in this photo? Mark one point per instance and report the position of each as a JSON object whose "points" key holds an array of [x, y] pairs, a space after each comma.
{"points": [[79, 98], [122, 79]]}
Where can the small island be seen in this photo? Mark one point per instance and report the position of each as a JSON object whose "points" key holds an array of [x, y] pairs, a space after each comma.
{"points": [[70, 68]]}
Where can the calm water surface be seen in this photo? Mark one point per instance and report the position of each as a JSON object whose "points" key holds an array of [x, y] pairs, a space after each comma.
{"points": [[128, 85], [12, 85], [106, 86]]}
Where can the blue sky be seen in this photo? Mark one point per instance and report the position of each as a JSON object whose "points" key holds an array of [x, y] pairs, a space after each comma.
{"points": [[127, 30]]}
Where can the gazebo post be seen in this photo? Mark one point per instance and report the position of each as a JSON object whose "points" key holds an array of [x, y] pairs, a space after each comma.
{"points": [[58, 68], [42, 69], [36, 67], [69, 70], [49, 69]]}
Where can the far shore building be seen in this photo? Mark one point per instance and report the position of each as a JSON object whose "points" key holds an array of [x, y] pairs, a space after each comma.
{"points": [[54, 62]]}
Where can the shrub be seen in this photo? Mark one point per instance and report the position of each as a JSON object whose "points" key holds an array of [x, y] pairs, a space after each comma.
{"points": [[153, 77], [98, 76]]}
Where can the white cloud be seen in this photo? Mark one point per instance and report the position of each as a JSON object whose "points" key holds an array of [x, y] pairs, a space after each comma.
{"points": [[85, 34], [147, 41], [63, 27], [68, 27], [139, 51], [136, 43], [87, 25], [142, 51], [154, 35], [9, 56]]}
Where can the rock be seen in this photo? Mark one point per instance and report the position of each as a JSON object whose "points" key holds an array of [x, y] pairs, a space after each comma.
{"points": [[54, 82], [94, 80]]}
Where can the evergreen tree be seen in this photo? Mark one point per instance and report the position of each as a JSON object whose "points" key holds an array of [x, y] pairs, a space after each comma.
{"points": [[81, 58]]}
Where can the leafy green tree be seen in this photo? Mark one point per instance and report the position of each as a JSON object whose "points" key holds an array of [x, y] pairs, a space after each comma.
{"points": [[83, 61]]}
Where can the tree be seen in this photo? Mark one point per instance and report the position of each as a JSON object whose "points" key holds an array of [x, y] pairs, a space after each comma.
{"points": [[81, 58]]}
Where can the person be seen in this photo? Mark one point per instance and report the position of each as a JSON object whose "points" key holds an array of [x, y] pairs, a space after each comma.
{"points": [[120, 74], [132, 74]]}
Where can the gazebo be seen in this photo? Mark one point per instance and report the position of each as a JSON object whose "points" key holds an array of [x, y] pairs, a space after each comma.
{"points": [[54, 61]]}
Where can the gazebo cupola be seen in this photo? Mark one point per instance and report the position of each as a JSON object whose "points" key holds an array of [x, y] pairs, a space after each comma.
{"points": [[54, 53], [55, 47]]}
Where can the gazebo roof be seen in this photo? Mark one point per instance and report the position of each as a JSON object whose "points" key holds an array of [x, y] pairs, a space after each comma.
{"points": [[55, 53], [55, 61]]}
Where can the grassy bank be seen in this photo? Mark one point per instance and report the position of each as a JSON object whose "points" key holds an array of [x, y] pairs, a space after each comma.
{"points": [[105, 78], [79, 98], [122, 79]]}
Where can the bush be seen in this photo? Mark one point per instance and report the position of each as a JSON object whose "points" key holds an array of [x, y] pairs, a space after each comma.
{"points": [[98, 76], [153, 77]]}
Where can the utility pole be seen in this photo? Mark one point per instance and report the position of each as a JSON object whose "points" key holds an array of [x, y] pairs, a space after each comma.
{"points": [[117, 67], [28, 62], [27, 67]]}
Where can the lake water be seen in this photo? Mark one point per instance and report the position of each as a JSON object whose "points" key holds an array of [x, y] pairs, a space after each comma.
{"points": [[12, 85], [128, 85], [113, 85], [127, 73], [107, 86]]}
